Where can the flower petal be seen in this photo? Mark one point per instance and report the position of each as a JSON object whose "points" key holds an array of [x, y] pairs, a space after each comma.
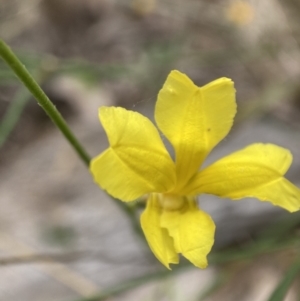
{"points": [[192, 231], [255, 171], [158, 238], [136, 162], [194, 119]]}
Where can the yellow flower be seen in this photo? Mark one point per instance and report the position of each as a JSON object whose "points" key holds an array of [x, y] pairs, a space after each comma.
{"points": [[194, 120]]}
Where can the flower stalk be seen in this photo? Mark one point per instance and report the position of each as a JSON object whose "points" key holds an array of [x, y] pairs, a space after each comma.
{"points": [[24, 76]]}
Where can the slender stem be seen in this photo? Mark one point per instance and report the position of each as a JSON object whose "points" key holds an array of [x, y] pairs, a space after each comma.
{"points": [[24, 76]]}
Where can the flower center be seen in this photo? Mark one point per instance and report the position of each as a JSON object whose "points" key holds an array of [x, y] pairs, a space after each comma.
{"points": [[171, 202]]}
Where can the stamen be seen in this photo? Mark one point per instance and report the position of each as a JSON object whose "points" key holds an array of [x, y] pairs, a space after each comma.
{"points": [[171, 202]]}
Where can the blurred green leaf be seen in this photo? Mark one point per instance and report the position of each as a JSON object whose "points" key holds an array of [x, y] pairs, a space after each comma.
{"points": [[60, 235], [282, 288], [13, 114]]}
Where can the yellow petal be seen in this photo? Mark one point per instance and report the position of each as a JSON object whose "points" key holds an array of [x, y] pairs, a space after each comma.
{"points": [[192, 231], [158, 238], [194, 119], [255, 171], [136, 162]]}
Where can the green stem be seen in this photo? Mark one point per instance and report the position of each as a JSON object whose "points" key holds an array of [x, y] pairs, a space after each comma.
{"points": [[24, 76]]}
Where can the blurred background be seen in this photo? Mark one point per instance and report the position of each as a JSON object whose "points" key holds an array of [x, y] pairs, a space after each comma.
{"points": [[61, 237]]}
